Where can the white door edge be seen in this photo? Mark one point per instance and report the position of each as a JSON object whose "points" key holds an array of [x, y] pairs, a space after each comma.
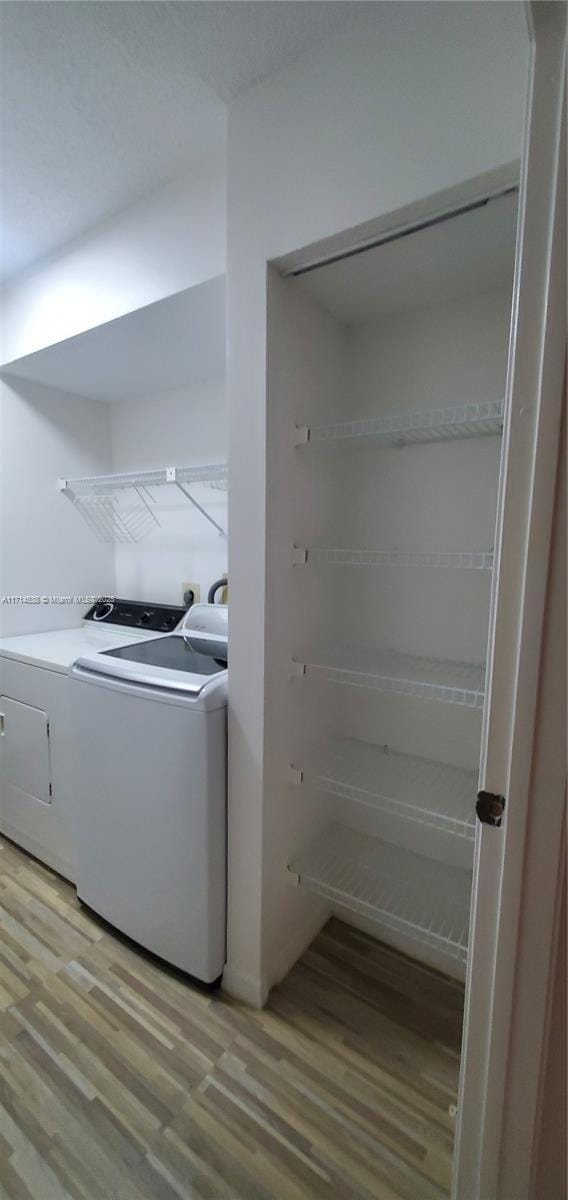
{"points": [[524, 524]]}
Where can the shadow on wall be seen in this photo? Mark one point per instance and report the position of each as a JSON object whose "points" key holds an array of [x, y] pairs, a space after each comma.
{"points": [[44, 552]]}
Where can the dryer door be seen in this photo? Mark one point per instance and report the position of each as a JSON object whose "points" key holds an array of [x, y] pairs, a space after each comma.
{"points": [[24, 748]]}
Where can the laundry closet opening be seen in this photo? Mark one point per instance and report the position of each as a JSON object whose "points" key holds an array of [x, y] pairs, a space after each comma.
{"points": [[119, 522], [150, 396], [386, 398]]}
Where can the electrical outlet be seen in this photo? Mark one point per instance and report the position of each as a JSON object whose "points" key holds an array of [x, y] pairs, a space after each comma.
{"points": [[186, 590]]}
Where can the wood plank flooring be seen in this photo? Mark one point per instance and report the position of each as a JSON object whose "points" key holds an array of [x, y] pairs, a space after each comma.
{"points": [[118, 1081]]}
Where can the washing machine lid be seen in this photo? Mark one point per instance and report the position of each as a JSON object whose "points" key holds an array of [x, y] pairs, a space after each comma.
{"points": [[177, 652], [180, 666]]}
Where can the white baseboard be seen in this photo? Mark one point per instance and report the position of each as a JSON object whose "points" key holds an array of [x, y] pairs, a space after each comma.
{"points": [[254, 991], [243, 987]]}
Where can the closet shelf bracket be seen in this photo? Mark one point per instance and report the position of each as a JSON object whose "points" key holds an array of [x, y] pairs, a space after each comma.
{"points": [[295, 775], [185, 492]]}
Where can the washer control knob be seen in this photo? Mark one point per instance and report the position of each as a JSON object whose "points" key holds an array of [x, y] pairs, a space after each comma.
{"points": [[102, 610]]}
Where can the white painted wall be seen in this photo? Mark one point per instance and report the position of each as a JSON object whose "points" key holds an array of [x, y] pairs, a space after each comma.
{"points": [[44, 547], [551, 1175], [170, 240], [307, 377], [172, 429], [360, 128], [424, 497]]}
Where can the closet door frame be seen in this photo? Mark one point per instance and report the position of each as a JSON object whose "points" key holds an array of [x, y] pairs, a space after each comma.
{"points": [[505, 890]]}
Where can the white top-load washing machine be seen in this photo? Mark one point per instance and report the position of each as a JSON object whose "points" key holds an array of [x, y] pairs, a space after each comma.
{"points": [[36, 788], [150, 751]]}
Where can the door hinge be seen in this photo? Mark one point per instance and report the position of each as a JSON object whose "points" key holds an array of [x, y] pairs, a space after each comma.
{"points": [[490, 808], [50, 790]]}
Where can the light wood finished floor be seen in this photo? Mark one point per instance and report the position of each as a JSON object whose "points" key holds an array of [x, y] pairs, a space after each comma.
{"points": [[120, 1082]]}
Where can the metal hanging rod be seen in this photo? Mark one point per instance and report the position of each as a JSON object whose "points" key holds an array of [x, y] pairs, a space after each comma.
{"points": [[403, 231]]}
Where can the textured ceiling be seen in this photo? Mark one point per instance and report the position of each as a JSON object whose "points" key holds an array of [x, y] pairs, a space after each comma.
{"points": [[101, 102]]}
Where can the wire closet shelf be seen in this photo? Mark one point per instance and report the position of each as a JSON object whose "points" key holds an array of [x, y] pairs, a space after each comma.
{"points": [[392, 672], [450, 560], [433, 794], [420, 898], [124, 508], [484, 419]]}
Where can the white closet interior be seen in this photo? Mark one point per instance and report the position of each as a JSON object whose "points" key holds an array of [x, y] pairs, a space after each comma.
{"points": [[386, 395]]}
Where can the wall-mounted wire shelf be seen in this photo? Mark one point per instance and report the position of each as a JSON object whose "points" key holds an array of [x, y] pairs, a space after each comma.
{"points": [[459, 560], [430, 793], [402, 674], [401, 429], [422, 899], [123, 507]]}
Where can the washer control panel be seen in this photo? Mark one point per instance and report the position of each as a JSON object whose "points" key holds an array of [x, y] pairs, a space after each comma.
{"points": [[160, 618]]}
